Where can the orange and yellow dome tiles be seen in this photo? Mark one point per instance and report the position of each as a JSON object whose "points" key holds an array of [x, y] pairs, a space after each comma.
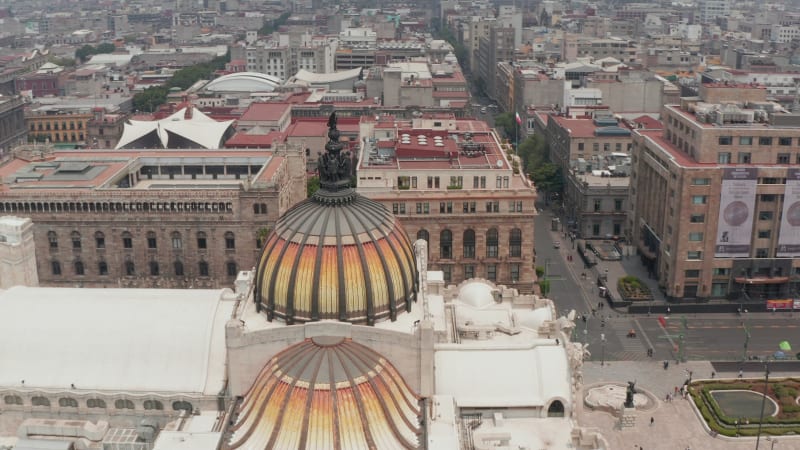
{"points": [[327, 393]]}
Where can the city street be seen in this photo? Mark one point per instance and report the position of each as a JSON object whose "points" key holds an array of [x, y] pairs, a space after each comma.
{"points": [[705, 336]]}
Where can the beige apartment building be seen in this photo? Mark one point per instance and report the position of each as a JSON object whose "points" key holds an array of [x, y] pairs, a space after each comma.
{"points": [[716, 198], [452, 184]]}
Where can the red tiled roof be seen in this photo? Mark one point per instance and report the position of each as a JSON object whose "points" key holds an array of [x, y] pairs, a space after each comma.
{"points": [[244, 140], [579, 128], [265, 111], [648, 122]]}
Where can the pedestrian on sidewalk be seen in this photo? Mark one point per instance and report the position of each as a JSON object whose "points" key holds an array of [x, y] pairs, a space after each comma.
{"points": [[713, 374], [740, 373], [666, 364], [652, 420]]}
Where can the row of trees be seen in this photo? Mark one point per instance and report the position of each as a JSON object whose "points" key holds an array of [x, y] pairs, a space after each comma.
{"points": [[535, 154], [153, 97]]}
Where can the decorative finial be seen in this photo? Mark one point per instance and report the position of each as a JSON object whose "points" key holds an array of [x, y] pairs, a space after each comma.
{"points": [[334, 168]]}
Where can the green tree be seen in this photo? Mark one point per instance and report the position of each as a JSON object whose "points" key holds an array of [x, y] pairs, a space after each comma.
{"points": [[150, 99], [273, 25], [548, 177], [105, 48], [505, 121], [544, 285], [312, 186], [534, 152]]}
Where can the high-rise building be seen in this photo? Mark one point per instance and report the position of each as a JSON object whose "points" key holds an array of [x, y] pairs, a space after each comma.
{"points": [[716, 197], [711, 9]]}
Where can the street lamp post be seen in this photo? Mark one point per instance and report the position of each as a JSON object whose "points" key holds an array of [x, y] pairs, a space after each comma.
{"points": [[763, 401], [603, 353]]}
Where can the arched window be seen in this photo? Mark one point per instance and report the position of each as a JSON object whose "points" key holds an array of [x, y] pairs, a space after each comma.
{"points": [[79, 268], [515, 243], [123, 404], [152, 242], [178, 268], [153, 404], [202, 268], [56, 267], [230, 241], [446, 244], [469, 243], [154, 268], [102, 268], [130, 268], [100, 240], [424, 235], [40, 401], [52, 237], [67, 402], [76, 240], [184, 406], [12, 400], [231, 268], [491, 243], [556, 409], [177, 242], [96, 403]]}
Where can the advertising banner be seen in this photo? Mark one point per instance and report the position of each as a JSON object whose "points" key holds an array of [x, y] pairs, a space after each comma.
{"points": [[780, 304], [789, 237], [736, 211]]}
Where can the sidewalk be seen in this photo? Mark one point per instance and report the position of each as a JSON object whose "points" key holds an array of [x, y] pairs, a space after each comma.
{"points": [[676, 425]]}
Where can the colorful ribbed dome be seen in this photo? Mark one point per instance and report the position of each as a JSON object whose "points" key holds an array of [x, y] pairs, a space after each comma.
{"points": [[327, 393], [337, 255]]}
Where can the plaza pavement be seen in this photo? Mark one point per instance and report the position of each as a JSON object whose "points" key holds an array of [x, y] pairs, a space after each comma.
{"points": [[676, 426]]}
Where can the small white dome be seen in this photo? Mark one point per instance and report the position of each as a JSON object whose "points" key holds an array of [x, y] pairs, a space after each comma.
{"points": [[477, 294]]}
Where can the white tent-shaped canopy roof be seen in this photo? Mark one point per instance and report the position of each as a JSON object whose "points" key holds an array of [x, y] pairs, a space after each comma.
{"points": [[201, 129]]}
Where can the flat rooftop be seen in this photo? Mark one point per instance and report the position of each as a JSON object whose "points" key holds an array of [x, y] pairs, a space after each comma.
{"points": [[184, 169]]}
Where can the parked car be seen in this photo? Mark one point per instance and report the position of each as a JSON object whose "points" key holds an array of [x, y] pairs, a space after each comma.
{"points": [[556, 244]]}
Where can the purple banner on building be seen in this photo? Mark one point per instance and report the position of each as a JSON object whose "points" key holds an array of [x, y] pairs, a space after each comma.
{"points": [[736, 211], [789, 237]]}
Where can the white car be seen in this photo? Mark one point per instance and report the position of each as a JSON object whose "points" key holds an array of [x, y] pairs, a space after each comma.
{"points": [[556, 244]]}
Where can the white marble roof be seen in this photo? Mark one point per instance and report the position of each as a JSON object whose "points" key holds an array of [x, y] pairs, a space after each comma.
{"points": [[122, 340], [532, 375]]}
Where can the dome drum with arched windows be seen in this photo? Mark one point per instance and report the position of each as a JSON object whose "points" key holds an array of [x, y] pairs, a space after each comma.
{"points": [[336, 255]]}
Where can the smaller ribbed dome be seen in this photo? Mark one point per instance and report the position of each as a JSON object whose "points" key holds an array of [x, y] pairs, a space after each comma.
{"points": [[327, 393]]}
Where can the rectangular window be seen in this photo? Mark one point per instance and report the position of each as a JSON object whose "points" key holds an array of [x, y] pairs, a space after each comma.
{"points": [[580, 146], [697, 218], [618, 204], [202, 243], [595, 229], [699, 199], [596, 147], [721, 271], [696, 236], [744, 158], [177, 243], [764, 140], [691, 273], [100, 242], [447, 273], [426, 208], [762, 253], [701, 181], [151, 242], [498, 182], [783, 158], [764, 234], [475, 182], [419, 208], [56, 267], [785, 141], [617, 229], [724, 157], [725, 140], [469, 271], [491, 272], [765, 215], [230, 243], [767, 197], [395, 208], [505, 182], [456, 182], [472, 207], [514, 272], [694, 255], [483, 182], [127, 242], [745, 140], [413, 182], [719, 289], [598, 203]]}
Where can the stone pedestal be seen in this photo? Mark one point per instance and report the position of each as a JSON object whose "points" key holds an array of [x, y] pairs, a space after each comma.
{"points": [[628, 417]]}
